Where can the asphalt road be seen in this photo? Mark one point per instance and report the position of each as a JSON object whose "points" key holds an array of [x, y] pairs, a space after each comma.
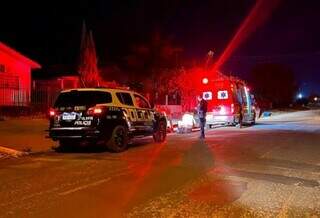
{"points": [[269, 170]]}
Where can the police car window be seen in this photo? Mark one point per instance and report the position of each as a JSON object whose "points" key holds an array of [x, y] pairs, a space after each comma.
{"points": [[141, 103], [125, 98], [82, 98]]}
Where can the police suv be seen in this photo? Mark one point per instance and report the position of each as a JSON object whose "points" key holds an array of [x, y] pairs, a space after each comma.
{"points": [[106, 116]]}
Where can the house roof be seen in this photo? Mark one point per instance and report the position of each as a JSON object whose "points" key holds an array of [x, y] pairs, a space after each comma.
{"points": [[19, 56]]}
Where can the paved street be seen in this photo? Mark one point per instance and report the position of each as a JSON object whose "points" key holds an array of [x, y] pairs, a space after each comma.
{"points": [[269, 170]]}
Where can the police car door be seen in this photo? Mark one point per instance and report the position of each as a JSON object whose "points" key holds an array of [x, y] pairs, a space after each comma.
{"points": [[128, 107], [144, 114]]}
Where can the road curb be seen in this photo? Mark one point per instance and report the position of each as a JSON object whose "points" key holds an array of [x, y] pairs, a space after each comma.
{"points": [[12, 152]]}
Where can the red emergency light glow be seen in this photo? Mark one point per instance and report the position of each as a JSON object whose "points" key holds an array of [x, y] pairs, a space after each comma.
{"points": [[205, 80], [256, 17], [142, 172]]}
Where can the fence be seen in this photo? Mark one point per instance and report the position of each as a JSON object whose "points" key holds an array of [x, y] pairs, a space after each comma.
{"points": [[14, 97], [15, 101], [18, 101], [43, 98]]}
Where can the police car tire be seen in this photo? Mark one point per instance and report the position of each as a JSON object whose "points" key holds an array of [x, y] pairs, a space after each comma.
{"points": [[118, 141], [64, 145], [161, 132]]}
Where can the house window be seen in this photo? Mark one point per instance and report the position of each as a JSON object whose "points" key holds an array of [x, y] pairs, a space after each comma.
{"points": [[2, 68]]}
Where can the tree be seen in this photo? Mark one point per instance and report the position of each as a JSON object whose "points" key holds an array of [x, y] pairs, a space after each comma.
{"points": [[152, 62], [274, 82], [88, 69]]}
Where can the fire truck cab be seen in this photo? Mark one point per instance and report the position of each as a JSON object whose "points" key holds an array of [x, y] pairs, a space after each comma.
{"points": [[229, 101]]}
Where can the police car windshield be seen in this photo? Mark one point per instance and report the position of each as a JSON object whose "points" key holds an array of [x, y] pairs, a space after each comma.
{"points": [[82, 98]]}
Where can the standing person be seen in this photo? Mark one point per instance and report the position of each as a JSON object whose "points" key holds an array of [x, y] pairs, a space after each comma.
{"points": [[202, 110], [240, 116]]}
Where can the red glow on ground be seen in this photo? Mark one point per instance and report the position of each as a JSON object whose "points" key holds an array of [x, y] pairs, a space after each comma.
{"points": [[142, 172], [219, 192], [258, 15]]}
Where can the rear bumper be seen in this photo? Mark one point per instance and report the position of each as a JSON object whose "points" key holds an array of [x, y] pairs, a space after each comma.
{"points": [[74, 133], [219, 119]]}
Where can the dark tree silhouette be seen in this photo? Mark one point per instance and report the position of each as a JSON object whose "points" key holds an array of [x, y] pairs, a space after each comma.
{"points": [[274, 83], [152, 63], [151, 57]]}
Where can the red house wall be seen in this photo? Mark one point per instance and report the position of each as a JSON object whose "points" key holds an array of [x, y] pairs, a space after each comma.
{"points": [[15, 82]]}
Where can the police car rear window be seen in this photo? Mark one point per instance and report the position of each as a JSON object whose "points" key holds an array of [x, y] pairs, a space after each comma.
{"points": [[82, 98]]}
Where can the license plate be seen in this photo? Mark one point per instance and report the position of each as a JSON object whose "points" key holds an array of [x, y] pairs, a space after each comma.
{"points": [[67, 116]]}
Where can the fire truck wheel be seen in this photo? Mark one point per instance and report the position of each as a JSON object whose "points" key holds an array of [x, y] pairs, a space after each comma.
{"points": [[119, 139]]}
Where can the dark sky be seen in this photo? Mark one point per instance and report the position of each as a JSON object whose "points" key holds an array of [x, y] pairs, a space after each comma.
{"points": [[50, 31]]}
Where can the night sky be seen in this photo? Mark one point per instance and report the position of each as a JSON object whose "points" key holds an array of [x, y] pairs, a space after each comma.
{"points": [[50, 31]]}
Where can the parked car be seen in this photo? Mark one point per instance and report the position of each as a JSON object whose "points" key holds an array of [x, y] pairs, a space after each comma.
{"points": [[106, 116]]}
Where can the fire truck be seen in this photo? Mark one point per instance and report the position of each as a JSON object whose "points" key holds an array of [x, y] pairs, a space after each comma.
{"points": [[229, 101]]}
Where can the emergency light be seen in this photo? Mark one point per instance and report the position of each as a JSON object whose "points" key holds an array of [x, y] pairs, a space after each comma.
{"points": [[205, 80]]}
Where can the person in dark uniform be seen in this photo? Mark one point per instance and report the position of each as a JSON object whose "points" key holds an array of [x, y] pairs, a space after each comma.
{"points": [[240, 116], [202, 110]]}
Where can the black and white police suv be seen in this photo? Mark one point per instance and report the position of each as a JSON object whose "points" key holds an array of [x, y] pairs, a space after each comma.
{"points": [[106, 116]]}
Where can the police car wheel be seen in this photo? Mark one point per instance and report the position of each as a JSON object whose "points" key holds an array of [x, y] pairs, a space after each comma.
{"points": [[161, 132], [64, 145], [119, 139]]}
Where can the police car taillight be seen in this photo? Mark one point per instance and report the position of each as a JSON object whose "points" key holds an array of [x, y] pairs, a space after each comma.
{"points": [[232, 108], [94, 111], [52, 112]]}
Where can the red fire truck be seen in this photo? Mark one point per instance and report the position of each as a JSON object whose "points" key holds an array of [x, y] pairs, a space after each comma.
{"points": [[229, 101]]}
